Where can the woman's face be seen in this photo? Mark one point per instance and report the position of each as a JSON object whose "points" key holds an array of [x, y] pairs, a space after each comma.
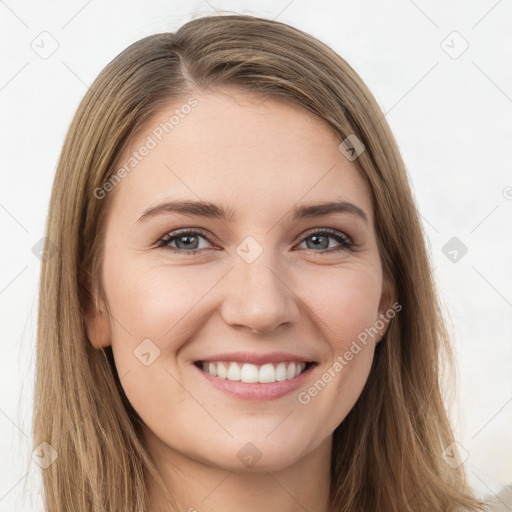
{"points": [[250, 293]]}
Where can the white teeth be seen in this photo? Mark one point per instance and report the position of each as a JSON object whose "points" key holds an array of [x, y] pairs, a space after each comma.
{"points": [[267, 373], [281, 372], [222, 370], [249, 373], [252, 373], [290, 372], [234, 372]]}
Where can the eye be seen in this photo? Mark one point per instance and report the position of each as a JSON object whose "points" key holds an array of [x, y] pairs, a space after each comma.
{"points": [[189, 241], [185, 240], [320, 240]]}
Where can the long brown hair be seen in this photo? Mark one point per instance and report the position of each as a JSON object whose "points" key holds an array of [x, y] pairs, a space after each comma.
{"points": [[388, 452]]}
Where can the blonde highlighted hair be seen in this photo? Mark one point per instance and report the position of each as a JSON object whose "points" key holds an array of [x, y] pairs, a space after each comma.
{"points": [[387, 453]]}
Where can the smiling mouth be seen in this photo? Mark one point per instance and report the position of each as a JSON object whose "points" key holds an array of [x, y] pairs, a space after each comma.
{"points": [[252, 373]]}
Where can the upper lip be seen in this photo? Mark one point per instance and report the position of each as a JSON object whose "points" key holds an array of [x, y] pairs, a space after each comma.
{"points": [[257, 359]]}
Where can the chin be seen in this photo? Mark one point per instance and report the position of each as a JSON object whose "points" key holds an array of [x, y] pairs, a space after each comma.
{"points": [[258, 456]]}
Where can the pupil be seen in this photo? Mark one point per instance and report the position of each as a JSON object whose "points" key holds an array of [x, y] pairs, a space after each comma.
{"points": [[318, 244], [187, 244]]}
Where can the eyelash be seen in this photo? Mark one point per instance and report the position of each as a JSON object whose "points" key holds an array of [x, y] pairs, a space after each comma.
{"points": [[347, 243]]}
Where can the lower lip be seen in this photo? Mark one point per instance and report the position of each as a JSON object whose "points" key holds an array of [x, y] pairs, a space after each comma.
{"points": [[257, 391]]}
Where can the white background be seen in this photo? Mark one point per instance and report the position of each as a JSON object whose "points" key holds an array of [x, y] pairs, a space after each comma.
{"points": [[452, 120]]}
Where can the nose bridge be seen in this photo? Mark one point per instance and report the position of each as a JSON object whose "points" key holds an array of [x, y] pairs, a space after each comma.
{"points": [[257, 296]]}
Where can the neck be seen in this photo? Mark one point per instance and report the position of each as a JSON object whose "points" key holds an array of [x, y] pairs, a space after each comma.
{"points": [[197, 486]]}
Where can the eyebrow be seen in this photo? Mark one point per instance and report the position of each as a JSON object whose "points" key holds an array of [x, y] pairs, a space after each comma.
{"points": [[211, 210]]}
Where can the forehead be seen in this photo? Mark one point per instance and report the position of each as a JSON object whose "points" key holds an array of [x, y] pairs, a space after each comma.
{"points": [[262, 154]]}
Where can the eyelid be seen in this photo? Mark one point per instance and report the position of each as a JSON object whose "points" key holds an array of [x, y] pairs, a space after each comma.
{"points": [[346, 243], [160, 242], [334, 233], [328, 231]]}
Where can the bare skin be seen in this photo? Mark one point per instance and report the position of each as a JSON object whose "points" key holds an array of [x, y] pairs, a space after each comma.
{"points": [[258, 159]]}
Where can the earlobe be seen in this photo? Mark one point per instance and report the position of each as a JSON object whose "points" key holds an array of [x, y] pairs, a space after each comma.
{"points": [[386, 311], [98, 327], [96, 319], [387, 297]]}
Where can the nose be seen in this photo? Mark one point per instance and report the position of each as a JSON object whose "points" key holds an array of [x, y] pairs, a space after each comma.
{"points": [[258, 298]]}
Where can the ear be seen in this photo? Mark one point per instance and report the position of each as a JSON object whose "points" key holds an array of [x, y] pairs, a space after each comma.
{"points": [[387, 299], [96, 318]]}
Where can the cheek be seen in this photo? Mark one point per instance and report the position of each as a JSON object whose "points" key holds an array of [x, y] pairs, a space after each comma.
{"points": [[151, 310], [155, 302], [155, 310], [346, 300]]}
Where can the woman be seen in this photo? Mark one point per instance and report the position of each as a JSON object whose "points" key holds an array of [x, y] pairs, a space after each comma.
{"points": [[237, 310]]}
